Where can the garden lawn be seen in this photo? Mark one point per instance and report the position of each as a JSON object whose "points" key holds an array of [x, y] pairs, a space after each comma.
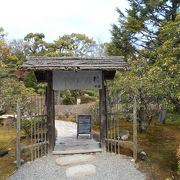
{"points": [[7, 142]]}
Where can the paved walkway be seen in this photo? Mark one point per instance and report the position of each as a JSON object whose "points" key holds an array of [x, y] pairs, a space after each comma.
{"points": [[67, 138]]}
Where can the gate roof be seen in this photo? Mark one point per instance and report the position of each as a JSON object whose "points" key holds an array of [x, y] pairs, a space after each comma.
{"points": [[75, 63], [40, 65]]}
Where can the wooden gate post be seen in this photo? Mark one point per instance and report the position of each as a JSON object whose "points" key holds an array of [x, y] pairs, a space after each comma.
{"points": [[102, 114], [50, 110], [135, 129], [18, 128]]}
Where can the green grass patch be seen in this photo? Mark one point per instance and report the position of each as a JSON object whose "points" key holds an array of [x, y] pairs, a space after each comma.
{"points": [[7, 142], [6, 136], [173, 118]]}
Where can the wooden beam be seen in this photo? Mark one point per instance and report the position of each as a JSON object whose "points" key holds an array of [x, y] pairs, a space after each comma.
{"points": [[135, 129], [102, 113], [18, 129], [105, 112], [127, 144], [23, 147], [50, 110]]}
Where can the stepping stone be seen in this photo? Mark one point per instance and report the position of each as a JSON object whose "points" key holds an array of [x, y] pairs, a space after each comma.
{"points": [[74, 159], [77, 151], [81, 170]]}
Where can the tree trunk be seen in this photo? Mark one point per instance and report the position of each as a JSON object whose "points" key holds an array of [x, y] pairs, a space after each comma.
{"points": [[162, 114], [141, 115]]}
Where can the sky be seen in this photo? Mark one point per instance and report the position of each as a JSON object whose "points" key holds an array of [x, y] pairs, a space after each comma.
{"points": [[55, 18]]}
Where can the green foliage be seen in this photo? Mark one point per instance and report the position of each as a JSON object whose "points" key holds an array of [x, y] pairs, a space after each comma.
{"points": [[28, 124], [12, 55], [173, 118], [11, 90], [166, 69], [8, 61], [68, 98], [70, 45], [17, 47], [87, 99], [93, 93], [34, 44], [67, 45], [120, 44], [141, 27], [148, 37], [30, 80]]}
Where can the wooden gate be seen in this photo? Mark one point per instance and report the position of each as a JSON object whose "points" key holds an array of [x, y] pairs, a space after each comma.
{"points": [[121, 125], [32, 130]]}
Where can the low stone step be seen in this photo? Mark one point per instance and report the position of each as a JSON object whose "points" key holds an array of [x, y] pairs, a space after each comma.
{"points": [[81, 170], [78, 151], [74, 159]]}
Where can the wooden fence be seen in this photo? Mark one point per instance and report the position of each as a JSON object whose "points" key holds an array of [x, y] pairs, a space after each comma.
{"points": [[31, 140], [121, 118]]}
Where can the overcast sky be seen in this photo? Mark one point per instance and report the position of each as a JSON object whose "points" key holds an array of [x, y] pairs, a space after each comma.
{"points": [[55, 18]]}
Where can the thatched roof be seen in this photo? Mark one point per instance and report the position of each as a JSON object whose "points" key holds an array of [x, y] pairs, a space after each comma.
{"points": [[74, 63]]}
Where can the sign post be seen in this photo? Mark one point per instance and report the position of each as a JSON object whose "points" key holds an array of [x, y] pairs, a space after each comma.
{"points": [[84, 125]]}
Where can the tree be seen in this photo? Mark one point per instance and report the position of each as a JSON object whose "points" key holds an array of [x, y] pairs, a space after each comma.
{"points": [[9, 61], [141, 27], [166, 69], [11, 90], [137, 82], [4, 49], [73, 44], [17, 47], [30, 80], [34, 44], [148, 37]]}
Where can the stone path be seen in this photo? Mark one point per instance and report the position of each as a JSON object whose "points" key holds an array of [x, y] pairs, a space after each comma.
{"points": [[67, 143], [81, 170], [65, 129], [67, 138], [77, 165], [74, 159]]}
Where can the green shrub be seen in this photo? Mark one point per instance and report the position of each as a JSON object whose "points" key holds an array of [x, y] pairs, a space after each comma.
{"points": [[87, 99], [28, 125], [69, 100]]}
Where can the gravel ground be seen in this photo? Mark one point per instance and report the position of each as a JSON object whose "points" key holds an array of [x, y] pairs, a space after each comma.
{"points": [[108, 167]]}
